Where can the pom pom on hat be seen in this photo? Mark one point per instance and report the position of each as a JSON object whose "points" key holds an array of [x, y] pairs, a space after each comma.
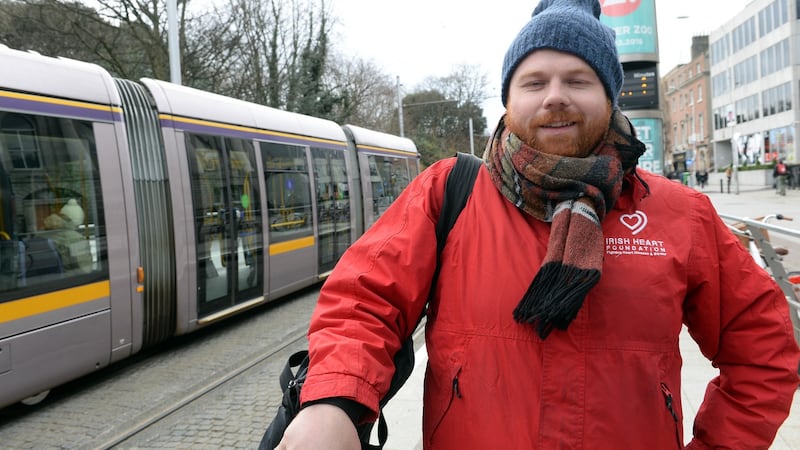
{"points": [[570, 26]]}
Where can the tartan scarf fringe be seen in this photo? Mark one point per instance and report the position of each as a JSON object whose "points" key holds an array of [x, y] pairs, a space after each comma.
{"points": [[555, 296]]}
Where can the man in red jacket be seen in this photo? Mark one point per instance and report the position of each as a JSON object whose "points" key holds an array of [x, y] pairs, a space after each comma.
{"points": [[564, 286]]}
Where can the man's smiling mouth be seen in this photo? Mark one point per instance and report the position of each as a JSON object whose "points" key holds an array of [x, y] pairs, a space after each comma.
{"points": [[558, 125]]}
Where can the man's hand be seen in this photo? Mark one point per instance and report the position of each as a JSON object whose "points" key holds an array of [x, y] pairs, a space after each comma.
{"points": [[320, 426]]}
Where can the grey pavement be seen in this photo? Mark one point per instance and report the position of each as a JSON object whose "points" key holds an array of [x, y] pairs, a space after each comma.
{"points": [[404, 411]]}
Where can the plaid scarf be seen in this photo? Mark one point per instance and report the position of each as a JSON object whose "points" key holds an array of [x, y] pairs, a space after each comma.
{"points": [[573, 194]]}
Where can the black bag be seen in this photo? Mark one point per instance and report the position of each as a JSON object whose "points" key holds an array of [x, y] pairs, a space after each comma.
{"points": [[457, 190]]}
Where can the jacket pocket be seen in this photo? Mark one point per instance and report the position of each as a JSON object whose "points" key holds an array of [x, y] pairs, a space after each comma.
{"points": [[446, 399], [669, 405]]}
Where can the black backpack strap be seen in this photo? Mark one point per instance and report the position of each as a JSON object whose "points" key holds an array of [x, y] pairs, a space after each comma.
{"points": [[457, 189], [296, 366], [291, 381]]}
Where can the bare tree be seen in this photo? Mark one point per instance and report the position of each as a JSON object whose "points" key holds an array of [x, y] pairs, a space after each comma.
{"points": [[368, 97], [466, 83], [128, 38], [52, 28], [438, 114], [211, 52], [283, 49]]}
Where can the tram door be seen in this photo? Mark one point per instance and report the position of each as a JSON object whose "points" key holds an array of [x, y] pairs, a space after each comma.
{"points": [[289, 213], [227, 221], [333, 200]]}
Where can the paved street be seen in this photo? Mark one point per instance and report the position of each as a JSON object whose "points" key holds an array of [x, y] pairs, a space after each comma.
{"points": [[754, 201]]}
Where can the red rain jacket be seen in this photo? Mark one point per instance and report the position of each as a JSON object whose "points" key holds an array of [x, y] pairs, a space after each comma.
{"points": [[605, 382]]}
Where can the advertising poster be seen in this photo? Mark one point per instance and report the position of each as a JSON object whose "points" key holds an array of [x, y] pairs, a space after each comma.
{"points": [[649, 132], [634, 21]]}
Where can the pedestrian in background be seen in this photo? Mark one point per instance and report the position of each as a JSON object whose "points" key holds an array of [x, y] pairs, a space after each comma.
{"points": [[780, 172], [728, 174], [702, 177], [563, 289]]}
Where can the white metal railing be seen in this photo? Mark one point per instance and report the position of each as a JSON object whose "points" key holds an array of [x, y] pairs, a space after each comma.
{"points": [[755, 233]]}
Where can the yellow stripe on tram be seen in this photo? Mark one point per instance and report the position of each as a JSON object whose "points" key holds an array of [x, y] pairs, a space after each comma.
{"points": [[240, 128], [31, 306], [288, 246], [56, 101], [386, 150]]}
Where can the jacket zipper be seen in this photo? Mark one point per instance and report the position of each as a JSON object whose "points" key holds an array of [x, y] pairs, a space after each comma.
{"points": [[670, 407], [456, 391]]}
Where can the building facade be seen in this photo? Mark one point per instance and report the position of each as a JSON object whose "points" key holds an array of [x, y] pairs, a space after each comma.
{"points": [[687, 113], [755, 68]]}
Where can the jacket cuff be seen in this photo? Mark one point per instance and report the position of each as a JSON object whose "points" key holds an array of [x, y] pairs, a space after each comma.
{"points": [[354, 410]]}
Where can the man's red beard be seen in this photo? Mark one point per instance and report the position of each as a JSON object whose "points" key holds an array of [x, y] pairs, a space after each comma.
{"points": [[588, 138]]}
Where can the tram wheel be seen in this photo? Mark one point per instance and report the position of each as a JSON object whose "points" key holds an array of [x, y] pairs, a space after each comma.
{"points": [[35, 399]]}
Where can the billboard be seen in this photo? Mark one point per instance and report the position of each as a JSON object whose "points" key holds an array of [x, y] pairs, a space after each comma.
{"points": [[634, 21], [649, 132]]}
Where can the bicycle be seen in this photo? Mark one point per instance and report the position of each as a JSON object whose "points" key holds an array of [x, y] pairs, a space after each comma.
{"points": [[754, 235], [755, 244]]}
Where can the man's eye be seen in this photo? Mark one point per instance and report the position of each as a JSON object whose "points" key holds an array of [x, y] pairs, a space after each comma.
{"points": [[533, 84]]}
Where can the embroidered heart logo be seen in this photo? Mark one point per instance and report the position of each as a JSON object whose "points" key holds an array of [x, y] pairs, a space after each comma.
{"points": [[634, 222]]}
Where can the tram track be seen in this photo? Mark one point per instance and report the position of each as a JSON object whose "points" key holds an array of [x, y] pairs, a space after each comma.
{"points": [[199, 392]]}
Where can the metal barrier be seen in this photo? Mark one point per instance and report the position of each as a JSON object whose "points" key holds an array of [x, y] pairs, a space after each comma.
{"points": [[755, 233]]}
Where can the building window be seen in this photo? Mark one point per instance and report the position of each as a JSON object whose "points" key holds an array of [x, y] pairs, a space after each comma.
{"points": [[776, 100], [702, 132]]}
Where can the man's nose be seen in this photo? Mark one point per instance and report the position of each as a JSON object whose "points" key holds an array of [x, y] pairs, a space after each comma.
{"points": [[557, 95]]}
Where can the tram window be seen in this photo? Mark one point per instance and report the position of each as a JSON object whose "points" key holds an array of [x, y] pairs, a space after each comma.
{"points": [[20, 142], [244, 183], [288, 190], [413, 169], [51, 227], [333, 205], [331, 175], [388, 177], [247, 201]]}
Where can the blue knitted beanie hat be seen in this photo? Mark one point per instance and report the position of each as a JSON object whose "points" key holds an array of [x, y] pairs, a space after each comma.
{"points": [[570, 26]]}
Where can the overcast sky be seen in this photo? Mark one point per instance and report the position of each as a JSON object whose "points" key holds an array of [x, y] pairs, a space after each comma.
{"points": [[415, 39]]}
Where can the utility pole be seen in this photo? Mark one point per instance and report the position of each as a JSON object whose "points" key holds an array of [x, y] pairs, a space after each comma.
{"points": [[400, 107], [471, 138], [174, 45]]}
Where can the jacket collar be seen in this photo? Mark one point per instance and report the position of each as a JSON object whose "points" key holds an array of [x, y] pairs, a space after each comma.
{"points": [[634, 190]]}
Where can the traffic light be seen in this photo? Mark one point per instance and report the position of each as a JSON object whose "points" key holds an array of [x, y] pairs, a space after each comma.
{"points": [[639, 86]]}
